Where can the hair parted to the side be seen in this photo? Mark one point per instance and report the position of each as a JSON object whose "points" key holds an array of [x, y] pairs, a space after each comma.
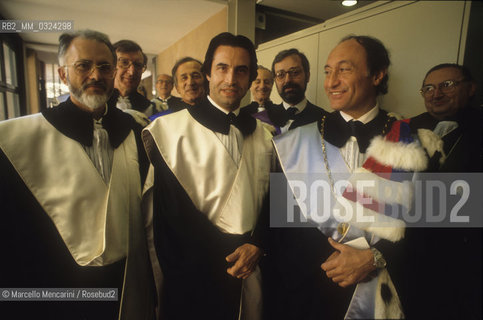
{"points": [[180, 62], [66, 39], [377, 58], [228, 39], [126, 46], [289, 52]]}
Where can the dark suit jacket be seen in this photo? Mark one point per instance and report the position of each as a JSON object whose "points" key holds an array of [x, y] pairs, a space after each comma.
{"points": [[311, 113], [444, 265], [138, 101]]}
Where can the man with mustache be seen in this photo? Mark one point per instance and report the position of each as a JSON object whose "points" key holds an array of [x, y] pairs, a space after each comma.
{"points": [[211, 171], [70, 185], [131, 63], [291, 70]]}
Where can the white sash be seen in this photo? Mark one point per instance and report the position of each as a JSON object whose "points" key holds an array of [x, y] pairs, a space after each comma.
{"points": [[300, 151]]}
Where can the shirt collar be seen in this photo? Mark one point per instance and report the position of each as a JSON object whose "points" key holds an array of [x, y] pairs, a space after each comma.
{"points": [[300, 106], [366, 118], [163, 100], [236, 112]]}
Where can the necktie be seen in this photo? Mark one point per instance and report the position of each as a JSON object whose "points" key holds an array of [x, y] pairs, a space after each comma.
{"points": [[291, 113]]}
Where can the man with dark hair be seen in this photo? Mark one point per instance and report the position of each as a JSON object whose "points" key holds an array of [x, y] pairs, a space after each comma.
{"points": [[131, 63], [211, 170], [189, 80], [311, 266], [70, 186], [164, 100], [291, 71], [189, 83], [445, 263]]}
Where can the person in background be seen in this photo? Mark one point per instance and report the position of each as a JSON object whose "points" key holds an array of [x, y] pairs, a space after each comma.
{"points": [[131, 63], [189, 82], [291, 71], [164, 100], [444, 263]]}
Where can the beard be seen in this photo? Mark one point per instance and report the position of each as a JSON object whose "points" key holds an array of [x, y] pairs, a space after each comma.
{"points": [[92, 101], [294, 96]]}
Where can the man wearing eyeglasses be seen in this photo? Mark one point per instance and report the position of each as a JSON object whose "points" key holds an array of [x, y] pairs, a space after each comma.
{"points": [[448, 90], [164, 100], [131, 63], [291, 71], [445, 263], [70, 185]]}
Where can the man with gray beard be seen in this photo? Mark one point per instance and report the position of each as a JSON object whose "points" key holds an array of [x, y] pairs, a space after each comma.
{"points": [[70, 189]]}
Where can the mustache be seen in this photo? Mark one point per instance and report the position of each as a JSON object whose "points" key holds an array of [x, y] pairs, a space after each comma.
{"points": [[100, 84], [291, 86]]}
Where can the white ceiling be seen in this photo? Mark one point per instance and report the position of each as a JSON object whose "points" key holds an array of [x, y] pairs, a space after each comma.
{"points": [[154, 24], [321, 9]]}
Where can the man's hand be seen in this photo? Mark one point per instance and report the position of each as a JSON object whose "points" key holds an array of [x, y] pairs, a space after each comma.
{"points": [[348, 265], [245, 259]]}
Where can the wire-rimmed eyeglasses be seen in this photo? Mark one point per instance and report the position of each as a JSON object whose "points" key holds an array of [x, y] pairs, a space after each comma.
{"points": [[447, 86], [86, 67]]}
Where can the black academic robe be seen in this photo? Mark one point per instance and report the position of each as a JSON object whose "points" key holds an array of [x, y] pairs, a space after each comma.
{"points": [[444, 265], [34, 254], [301, 288], [138, 101], [278, 115], [190, 248]]}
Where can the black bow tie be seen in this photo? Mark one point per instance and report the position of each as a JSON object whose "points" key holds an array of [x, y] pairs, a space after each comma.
{"points": [[231, 118], [357, 130], [237, 121]]}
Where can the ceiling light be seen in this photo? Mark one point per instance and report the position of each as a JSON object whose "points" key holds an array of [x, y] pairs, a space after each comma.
{"points": [[349, 3]]}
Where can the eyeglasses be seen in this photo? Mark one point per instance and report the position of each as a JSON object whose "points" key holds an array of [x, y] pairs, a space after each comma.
{"points": [[292, 73], [447, 86], [126, 63], [86, 67]]}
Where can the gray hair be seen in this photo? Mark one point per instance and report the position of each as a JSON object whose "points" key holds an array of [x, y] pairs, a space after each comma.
{"points": [[66, 39]]}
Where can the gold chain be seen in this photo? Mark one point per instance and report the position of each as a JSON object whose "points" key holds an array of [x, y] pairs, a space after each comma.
{"points": [[324, 151]]}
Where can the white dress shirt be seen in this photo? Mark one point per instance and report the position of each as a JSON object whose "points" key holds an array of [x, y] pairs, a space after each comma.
{"points": [[233, 141], [350, 151], [299, 106]]}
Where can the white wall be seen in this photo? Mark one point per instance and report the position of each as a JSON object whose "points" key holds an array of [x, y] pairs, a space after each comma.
{"points": [[418, 35]]}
